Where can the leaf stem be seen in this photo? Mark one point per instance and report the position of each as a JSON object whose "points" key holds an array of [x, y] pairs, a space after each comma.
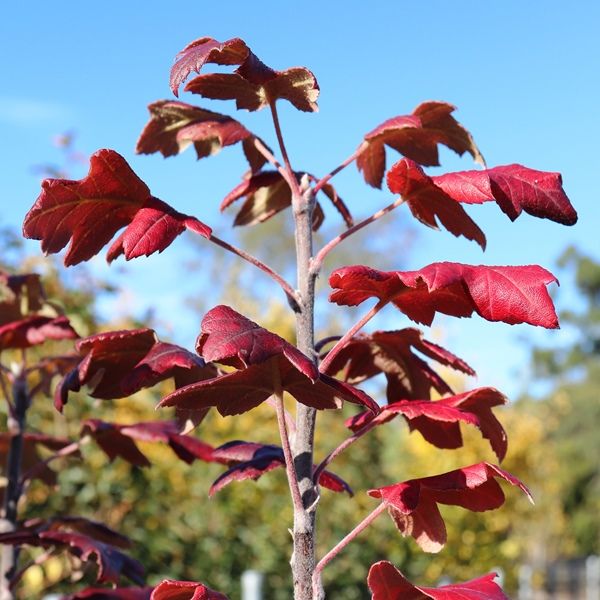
{"points": [[349, 335], [292, 181], [341, 545], [343, 446], [285, 286], [287, 452], [271, 159], [324, 180], [317, 261]]}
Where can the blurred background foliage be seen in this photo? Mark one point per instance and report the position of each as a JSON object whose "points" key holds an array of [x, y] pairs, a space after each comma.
{"points": [[179, 533]]}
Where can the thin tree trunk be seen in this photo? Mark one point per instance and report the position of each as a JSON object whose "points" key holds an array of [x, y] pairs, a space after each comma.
{"points": [[12, 492], [303, 559]]}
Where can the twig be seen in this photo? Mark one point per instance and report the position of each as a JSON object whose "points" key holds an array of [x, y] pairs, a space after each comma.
{"points": [[271, 159], [324, 180], [325, 250], [349, 334], [293, 182], [341, 545], [285, 286]]}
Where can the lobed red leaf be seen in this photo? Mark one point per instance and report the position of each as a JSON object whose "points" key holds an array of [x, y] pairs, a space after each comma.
{"points": [[35, 330], [170, 589], [509, 294], [387, 583], [413, 504]]}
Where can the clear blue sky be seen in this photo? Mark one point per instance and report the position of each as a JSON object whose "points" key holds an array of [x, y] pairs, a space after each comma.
{"points": [[524, 75]]}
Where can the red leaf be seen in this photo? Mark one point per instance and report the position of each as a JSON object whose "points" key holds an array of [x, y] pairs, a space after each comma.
{"points": [[252, 85], [413, 504], [170, 589], [438, 421], [20, 295], [416, 136], [391, 352], [117, 440], [90, 211], [387, 583], [128, 593], [515, 188], [231, 339], [173, 126], [35, 330], [112, 563], [240, 391], [428, 202], [250, 460], [266, 194], [509, 294]]}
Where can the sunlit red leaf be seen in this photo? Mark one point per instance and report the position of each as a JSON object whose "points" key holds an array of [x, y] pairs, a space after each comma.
{"points": [[416, 136], [252, 85], [90, 211], [127, 593], [515, 188], [174, 126], [35, 330], [438, 421], [170, 589], [249, 460], [118, 440], [413, 504], [392, 353], [509, 294], [387, 583], [111, 562], [429, 204]]}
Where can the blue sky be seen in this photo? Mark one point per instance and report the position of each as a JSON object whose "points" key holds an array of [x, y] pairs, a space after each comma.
{"points": [[524, 77]]}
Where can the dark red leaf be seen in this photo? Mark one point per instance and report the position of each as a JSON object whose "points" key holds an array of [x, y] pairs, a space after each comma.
{"points": [[128, 593], [174, 126], [249, 460], [230, 338], [252, 85], [20, 296], [429, 204], [90, 211], [438, 421], [118, 440], [509, 294], [387, 583], [413, 504], [392, 353], [416, 136], [266, 194], [170, 589], [112, 563], [35, 330], [515, 188]]}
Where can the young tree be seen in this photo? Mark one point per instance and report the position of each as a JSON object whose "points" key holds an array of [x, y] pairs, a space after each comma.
{"points": [[243, 365]]}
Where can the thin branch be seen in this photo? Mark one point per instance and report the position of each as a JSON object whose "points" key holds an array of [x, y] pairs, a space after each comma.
{"points": [[341, 545], [287, 452], [293, 182], [343, 446], [324, 180], [325, 250], [349, 335], [285, 286], [271, 159]]}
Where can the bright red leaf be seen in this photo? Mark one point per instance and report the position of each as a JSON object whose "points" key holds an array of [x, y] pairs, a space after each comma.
{"points": [[90, 211], [249, 460], [387, 583], [515, 188], [252, 85], [174, 126], [509, 294], [416, 136], [35, 330], [438, 421], [170, 589], [429, 204], [413, 504], [392, 353], [118, 440]]}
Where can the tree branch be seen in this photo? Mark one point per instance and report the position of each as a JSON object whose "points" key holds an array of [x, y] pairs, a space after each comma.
{"points": [[292, 181], [324, 180]]}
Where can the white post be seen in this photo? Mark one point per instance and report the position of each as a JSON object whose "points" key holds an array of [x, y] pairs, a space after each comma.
{"points": [[592, 578], [252, 582]]}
